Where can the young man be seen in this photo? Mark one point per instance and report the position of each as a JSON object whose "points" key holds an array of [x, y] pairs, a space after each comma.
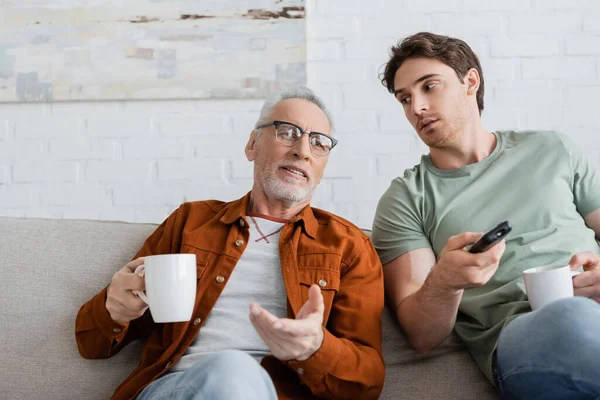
{"points": [[317, 277], [471, 180]]}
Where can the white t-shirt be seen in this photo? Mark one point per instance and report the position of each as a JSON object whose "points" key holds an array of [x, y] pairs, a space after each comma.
{"points": [[256, 277]]}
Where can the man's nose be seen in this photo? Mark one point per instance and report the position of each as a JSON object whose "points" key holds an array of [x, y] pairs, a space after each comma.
{"points": [[302, 147], [419, 105]]}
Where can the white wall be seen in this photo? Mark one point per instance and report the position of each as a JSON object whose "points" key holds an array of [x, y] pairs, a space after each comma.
{"points": [[136, 161]]}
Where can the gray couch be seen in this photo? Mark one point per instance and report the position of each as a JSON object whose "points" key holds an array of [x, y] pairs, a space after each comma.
{"points": [[48, 268]]}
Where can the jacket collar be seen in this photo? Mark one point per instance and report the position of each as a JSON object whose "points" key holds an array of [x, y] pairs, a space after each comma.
{"points": [[237, 209]]}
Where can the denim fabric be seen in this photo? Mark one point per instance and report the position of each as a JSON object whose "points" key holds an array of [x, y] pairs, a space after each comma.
{"points": [[225, 375], [551, 353]]}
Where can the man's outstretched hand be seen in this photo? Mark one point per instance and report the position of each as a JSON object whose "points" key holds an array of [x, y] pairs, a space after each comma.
{"points": [[292, 339]]}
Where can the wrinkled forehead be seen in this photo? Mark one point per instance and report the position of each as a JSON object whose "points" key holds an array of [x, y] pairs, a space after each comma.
{"points": [[302, 113]]}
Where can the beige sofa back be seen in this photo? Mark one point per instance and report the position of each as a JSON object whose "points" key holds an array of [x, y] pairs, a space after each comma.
{"points": [[49, 268]]}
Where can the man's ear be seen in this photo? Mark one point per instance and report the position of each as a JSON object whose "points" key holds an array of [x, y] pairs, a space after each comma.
{"points": [[472, 81], [250, 149]]}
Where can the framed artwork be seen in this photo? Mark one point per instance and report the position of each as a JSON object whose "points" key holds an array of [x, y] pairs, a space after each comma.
{"points": [[69, 50]]}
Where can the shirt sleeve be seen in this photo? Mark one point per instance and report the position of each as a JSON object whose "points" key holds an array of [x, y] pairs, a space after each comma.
{"points": [[586, 178], [97, 335], [397, 227]]}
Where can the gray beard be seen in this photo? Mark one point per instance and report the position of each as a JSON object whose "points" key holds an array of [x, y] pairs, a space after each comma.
{"points": [[290, 195]]}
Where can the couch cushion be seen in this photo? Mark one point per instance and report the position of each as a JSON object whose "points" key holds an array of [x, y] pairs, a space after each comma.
{"points": [[48, 269], [447, 373]]}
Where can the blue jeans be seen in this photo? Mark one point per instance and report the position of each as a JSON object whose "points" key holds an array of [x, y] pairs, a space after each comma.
{"points": [[551, 353], [225, 375]]}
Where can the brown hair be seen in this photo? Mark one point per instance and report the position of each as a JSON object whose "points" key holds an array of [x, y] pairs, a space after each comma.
{"points": [[453, 52]]}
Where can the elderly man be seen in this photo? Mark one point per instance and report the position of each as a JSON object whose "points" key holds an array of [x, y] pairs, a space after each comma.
{"points": [[289, 304]]}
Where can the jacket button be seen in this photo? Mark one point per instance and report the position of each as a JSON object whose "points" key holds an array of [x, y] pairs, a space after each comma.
{"points": [[242, 223], [300, 371], [239, 242], [197, 321], [220, 279], [322, 283], [117, 330]]}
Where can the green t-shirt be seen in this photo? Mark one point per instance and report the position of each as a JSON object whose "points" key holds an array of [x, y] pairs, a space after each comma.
{"points": [[539, 181]]}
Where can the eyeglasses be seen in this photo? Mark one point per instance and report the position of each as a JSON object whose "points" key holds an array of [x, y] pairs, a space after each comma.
{"points": [[288, 135]]}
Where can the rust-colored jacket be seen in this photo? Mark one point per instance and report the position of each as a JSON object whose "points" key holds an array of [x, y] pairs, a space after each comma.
{"points": [[315, 247]]}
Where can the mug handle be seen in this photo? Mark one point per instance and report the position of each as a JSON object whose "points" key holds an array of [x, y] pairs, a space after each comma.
{"points": [[140, 271]]}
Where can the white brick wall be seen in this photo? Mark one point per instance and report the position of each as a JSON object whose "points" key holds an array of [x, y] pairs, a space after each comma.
{"points": [[137, 161]]}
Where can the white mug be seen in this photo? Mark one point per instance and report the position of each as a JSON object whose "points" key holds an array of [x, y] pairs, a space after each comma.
{"points": [[170, 286], [548, 283]]}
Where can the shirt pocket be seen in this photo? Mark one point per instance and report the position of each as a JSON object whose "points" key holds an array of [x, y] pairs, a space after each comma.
{"points": [[327, 280], [204, 258]]}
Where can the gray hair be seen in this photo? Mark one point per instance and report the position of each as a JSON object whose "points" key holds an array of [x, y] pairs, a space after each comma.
{"points": [[295, 92]]}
